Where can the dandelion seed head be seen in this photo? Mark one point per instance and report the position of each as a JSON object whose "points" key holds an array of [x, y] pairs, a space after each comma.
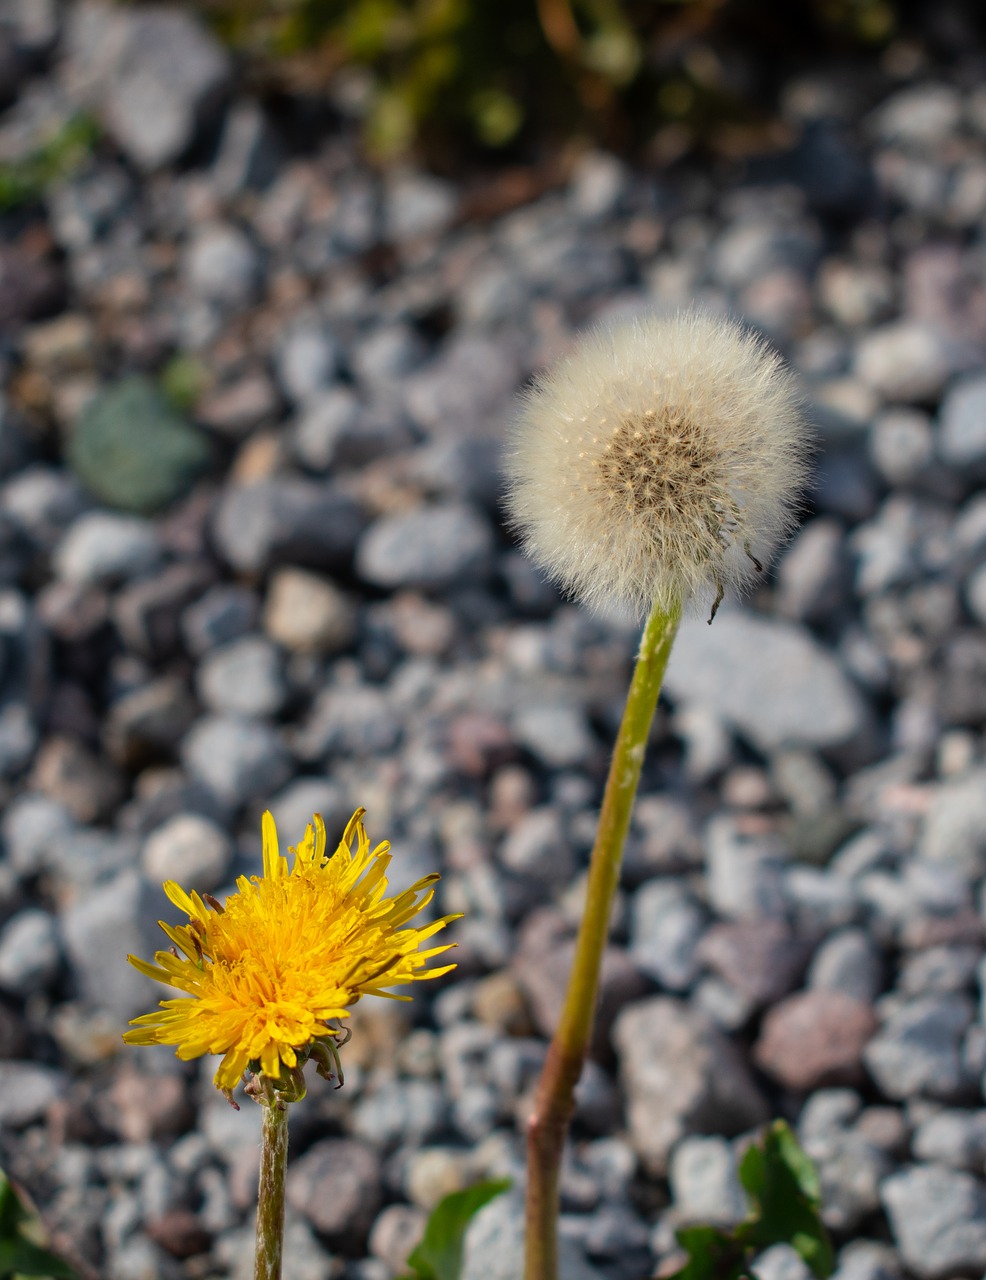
{"points": [[686, 461]]}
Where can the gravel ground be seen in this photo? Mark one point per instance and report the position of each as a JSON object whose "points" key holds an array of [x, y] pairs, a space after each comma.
{"points": [[300, 594]]}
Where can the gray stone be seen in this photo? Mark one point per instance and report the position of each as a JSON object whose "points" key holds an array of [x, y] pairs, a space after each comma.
{"points": [[386, 355], [224, 613], [918, 1051], [752, 247], [851, 1171], [408, 1113], [294, 807], [466, 391], [133, 450], [417, 206], [348, 719], [680, 1075], [938, 1220], [335, 1185], [813, 576], [396, 1231], [35, 828], [220, 264], [666, 927], [745, 872], [962, 426], [435, 547], [850, 962], [537, 847], [557, 733], [939, 971], [598, 184], [954, 1138], [762, 958], [494, 1246], [308, 614], [155, 74], [922, 115], [954, 830], [901, 445], [248, 153], [780, 1262], [286, 520], [148, 722], [29, 952], [328, 419], [769, 679], [109, 912], [242, 678], [867, 1260], [906, 361], [27, 1090], [101, 548], [188, 849], [240, 760], [307, 360], [975, 594], [704, 1183]]}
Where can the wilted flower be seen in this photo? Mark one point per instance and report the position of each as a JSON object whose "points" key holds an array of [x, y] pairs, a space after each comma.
{"points": [[268, 973], [661, 457]]}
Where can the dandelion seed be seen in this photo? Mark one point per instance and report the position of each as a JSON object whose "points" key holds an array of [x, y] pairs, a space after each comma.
{"points": [[267, 974], [705, 462]]}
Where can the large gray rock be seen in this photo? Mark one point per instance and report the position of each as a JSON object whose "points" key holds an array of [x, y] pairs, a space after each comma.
{"points": [[286, 520], [769, 679], [436, 547], [938, 1220], [955, 827], [681, 1075], [153, 73], [919, 1049], [238, 759]]}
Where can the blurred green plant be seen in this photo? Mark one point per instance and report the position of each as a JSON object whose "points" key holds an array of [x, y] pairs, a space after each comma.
{"points": [[28, 177], [782, 1186], [23, 1250], [430, 72], [439, 1255]]}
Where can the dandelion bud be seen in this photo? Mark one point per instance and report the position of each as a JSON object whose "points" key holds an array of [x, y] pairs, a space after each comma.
{"points": [[660, 458]]}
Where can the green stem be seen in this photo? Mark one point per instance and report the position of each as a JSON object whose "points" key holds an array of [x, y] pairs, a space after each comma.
{"points": [[270, 1198], [555, 1100]]}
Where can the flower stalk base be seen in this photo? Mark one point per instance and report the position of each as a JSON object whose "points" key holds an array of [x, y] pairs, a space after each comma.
{"points": [[270, 1204], [555, 1101]]}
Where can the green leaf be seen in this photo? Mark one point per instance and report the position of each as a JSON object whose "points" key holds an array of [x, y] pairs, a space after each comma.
{"points": [[712, 1255], [784, 1191], [22, 1251], [439, 1255]]}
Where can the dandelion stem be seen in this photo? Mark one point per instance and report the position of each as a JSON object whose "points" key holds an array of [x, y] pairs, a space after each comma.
{"points": [[270, 1200], [555, 1100]]}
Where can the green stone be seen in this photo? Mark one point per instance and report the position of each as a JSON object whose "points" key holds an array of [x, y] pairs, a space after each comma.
{"points": [[134, 451]]}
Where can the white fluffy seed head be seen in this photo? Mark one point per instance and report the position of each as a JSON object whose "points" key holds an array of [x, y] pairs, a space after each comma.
{"points": [[662, 457]]}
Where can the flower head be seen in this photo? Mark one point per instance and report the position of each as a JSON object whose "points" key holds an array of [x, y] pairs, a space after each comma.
{"points": [[660, 457], [266, 974]]}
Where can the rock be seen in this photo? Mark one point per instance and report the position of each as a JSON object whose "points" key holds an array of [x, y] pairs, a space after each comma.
{"points": [[417, 206], [465, 391], [147, 724], [409, 1114], [905, 361], [101, 548], [155, 74], [248, 153], [938, 1220], [494, 1245], [705, 1187], [849, 962], [851, 1171], [308, 614], [954, 832], [815, 1038], [769, 679], [813, 577], [954, 1138], [666, 927], [190, 850], [220, 264], [780, 1262], [745, 872], [27, 1090], [286, 520], [902, 444], [335, 1185], [29, 953], [536, 847], [386, 356], [240, 760], [133, 451], [557, 733], [242, 678], [962, 426], [294, 806], [358, 720], [88, 785], [224, 613], [436, 548], [396, 1231], [918, 1051], [763, 959], [147, 613], [307, 360], [681, 1075], [867, 1260], [922, 115], [140, 1107], [111, 910]]}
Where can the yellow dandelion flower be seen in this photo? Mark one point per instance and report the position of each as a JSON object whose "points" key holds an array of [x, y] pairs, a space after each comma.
{"points": [[268, 973]]}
